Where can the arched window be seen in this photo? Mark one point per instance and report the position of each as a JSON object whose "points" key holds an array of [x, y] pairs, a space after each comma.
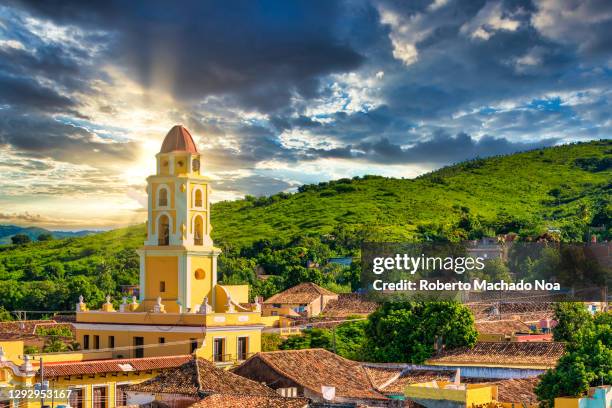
{"points": [[163, 230], [198, 231], [198, 198], [163, 198]]}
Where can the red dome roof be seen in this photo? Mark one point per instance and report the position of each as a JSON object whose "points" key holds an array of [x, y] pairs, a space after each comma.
{"points": [[178, 139]]}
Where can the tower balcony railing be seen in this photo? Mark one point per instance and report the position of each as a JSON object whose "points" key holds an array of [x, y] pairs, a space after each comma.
{"points": [[170, 317]]}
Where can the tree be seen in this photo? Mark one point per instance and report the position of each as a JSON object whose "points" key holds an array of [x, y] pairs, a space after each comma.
{"points": [[270, 341], [55, 270], [11, 294], [569, 379], [105, 281], [20, 239], [54, 345], [5, 315], [586, 362], [406, 331], [296, 342], [349, 339], [346, 339], [81, 285], [30, 350], [570, 317], [45, 236], [494, 270]]}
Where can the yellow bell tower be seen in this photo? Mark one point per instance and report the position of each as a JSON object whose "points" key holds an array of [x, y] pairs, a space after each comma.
{"points": [[178, 262]]}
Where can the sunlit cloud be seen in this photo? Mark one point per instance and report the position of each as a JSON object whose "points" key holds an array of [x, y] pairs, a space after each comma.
{"points": [[389, 88]]}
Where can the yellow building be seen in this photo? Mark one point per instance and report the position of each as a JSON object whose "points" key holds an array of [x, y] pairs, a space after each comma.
{"points": [[91, 381], [181, 307], [442, 393]]}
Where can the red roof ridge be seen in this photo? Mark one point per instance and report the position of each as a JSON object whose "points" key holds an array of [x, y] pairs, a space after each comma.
{"points": [[118, 360], [296, 351]]}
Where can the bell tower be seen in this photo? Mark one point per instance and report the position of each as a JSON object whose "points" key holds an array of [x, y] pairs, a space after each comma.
{"points": [[178, 261]]}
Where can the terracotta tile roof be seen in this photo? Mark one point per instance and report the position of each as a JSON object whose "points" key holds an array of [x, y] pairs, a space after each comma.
{"points": [[199, 375], [349, 304], [415, 376], [380, 376], [303, 293], [20, 336], [496, 354], [508, 327], [524, 311], [178, 139], [517, 390], [26, 326], [249, 401], [115, 365], [312, 368], [25, 330]]}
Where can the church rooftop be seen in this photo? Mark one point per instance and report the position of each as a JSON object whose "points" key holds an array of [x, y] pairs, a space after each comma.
{"points": [[178, 139]]}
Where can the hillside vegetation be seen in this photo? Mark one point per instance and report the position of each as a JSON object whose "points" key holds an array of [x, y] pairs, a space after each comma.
{"points": [[565, 188], [546, 186]]}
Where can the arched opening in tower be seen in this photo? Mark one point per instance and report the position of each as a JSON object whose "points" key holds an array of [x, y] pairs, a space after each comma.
{"points": [[199, 231], [164, 230]]}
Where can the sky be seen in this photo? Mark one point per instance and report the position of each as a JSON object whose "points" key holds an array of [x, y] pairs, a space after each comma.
{"points": [[282, 93]]}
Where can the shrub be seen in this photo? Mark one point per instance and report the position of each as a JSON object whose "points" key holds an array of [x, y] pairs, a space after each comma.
{"points": [[20, 239]]}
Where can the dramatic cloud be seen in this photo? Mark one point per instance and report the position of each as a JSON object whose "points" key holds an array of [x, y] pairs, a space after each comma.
{"points": [[280, 93], [585, 24], [441, 149], [261, 53]]}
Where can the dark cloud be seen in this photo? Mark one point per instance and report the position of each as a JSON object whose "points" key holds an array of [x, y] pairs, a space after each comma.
{"points": [[585, 24], [447, 73], [259, 52], [45, 137], [28, 93], [256, 185], [441, 149]]}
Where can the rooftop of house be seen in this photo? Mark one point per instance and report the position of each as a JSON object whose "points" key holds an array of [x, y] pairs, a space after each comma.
{"points": [[502, 354], [349, 304], [303, 293], [57, 369], [29, 326], [394, 381], [381, 376], [249, 401], [516, 390], [199, 375], [313, 368], [524, 311], [26, 337], [508, 327]]}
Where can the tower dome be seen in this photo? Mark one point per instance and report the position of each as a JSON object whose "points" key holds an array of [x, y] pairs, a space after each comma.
{"points": [[178, 139]]}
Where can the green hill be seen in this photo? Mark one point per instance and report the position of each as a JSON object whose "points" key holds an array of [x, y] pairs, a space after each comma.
{"points": [[566, 188]]}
